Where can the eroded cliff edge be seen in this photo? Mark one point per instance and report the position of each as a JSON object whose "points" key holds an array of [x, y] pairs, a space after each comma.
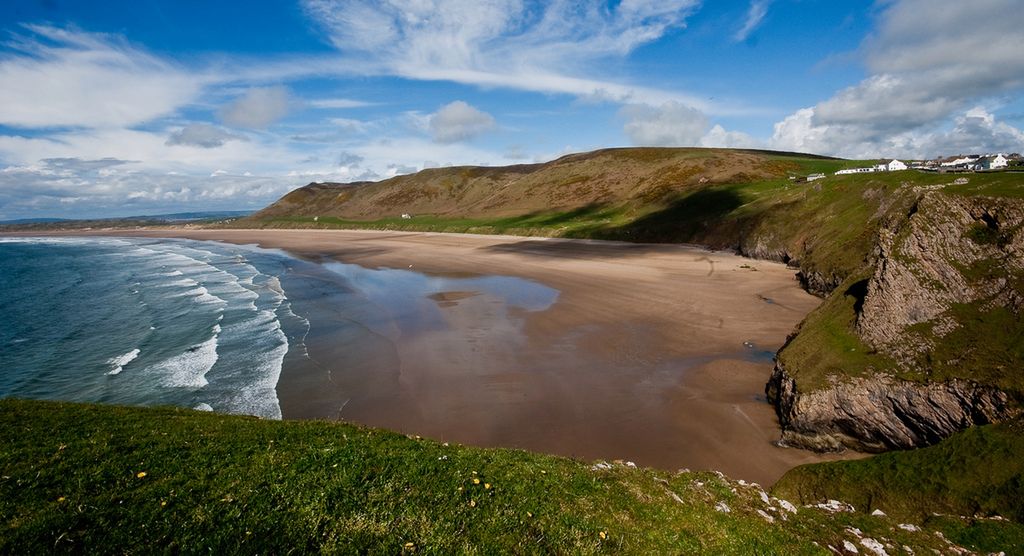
{"points": [[925, 341]]}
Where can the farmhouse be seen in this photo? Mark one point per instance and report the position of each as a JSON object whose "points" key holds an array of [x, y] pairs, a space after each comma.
{"points": [[991, 163]]}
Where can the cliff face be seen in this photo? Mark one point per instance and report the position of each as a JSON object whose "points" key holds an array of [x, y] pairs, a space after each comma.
{"points": [[881, 412], [943, 304], [952, 251]]}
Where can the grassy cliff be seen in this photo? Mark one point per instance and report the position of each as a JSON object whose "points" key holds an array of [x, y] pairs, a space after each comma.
{"points": [[978, 472], [83, 478]]}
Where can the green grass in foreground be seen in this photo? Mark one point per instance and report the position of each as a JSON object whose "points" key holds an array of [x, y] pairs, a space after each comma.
{"points": [[88, 478], [977, 472]]}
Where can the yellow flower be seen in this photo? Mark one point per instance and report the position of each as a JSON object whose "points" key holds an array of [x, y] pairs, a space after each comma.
{"points": [[163, 503], [529, 514], [140, 474], [61, 499], [487, 485], [476, 481], [410, 544], [603, 535], [472, 503]]}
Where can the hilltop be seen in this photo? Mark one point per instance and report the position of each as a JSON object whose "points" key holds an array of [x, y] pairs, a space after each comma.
{"points": [[920, 334]]}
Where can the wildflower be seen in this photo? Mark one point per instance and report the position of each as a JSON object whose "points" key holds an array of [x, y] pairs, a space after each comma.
{"points": [[487, 486], [61, 499], [603, 535], [476, 481], [163, 503], [472, 503], [529, 514], [140, 474]]}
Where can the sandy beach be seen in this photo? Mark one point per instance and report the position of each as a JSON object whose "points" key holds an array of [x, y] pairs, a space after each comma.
{"points": [[655, 354]]}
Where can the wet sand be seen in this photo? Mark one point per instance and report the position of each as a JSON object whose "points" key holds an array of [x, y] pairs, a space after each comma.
{"points": [[656, 354]]}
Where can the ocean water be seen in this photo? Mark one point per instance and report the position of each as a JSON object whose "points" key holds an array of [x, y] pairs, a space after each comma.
{"points": [[145, 322]]}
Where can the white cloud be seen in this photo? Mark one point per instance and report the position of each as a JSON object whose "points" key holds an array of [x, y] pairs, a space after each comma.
{"points": [[258, 108], [755, 15], [350, 125], [526, 45], [671, 124], [973, 131], [930, 60], [459, 121], [676, 125], [61, 78], [717, 136], [200, 135], [333, 103], [84, 187]]}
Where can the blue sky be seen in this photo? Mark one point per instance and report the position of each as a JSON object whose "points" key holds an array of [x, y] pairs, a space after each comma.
{"points": [[145, 107]]}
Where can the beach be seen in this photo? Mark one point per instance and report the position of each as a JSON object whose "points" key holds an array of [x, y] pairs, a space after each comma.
{"points": [[655, 354]]}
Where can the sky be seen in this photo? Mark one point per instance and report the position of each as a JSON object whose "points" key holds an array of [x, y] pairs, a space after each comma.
{"points": [[146, 107]]}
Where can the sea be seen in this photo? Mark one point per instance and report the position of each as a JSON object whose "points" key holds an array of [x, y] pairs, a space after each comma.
{"points": [[140, 321]]}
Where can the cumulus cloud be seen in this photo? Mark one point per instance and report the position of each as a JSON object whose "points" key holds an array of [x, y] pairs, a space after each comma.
{"points": [[676, 125], [204, 136], [458, 121], [717, 136], [671, 124], [755, 15], [521, 44], [257, 108], [924, 71], [973, 131], [59, 78]]}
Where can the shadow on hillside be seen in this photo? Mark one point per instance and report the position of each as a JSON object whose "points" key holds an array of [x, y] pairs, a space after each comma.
{"points": [[685, 220], [690, 219]]}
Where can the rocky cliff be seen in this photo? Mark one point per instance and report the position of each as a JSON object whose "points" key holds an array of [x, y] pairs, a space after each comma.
{"points": [[881, 412], [939, 316]]}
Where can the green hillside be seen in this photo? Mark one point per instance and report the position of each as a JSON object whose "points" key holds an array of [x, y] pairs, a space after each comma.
{"points": [[87, 479]]}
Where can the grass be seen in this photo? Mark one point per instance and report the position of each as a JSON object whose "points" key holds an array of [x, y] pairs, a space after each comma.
{"points": [[827, 345], [978, 472], [90, 478]]}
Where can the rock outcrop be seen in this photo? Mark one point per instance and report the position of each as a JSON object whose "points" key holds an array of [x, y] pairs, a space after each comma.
{"points": [[934, 261], [949, 253], [881, 412]]}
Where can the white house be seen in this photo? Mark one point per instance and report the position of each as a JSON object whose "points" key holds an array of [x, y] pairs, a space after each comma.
{"points": [[991, 162], [895, 166], [969, 160], [855, 171]]}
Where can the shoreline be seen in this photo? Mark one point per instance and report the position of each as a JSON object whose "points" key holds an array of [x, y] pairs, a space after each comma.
{"points": [[641, 357]]}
